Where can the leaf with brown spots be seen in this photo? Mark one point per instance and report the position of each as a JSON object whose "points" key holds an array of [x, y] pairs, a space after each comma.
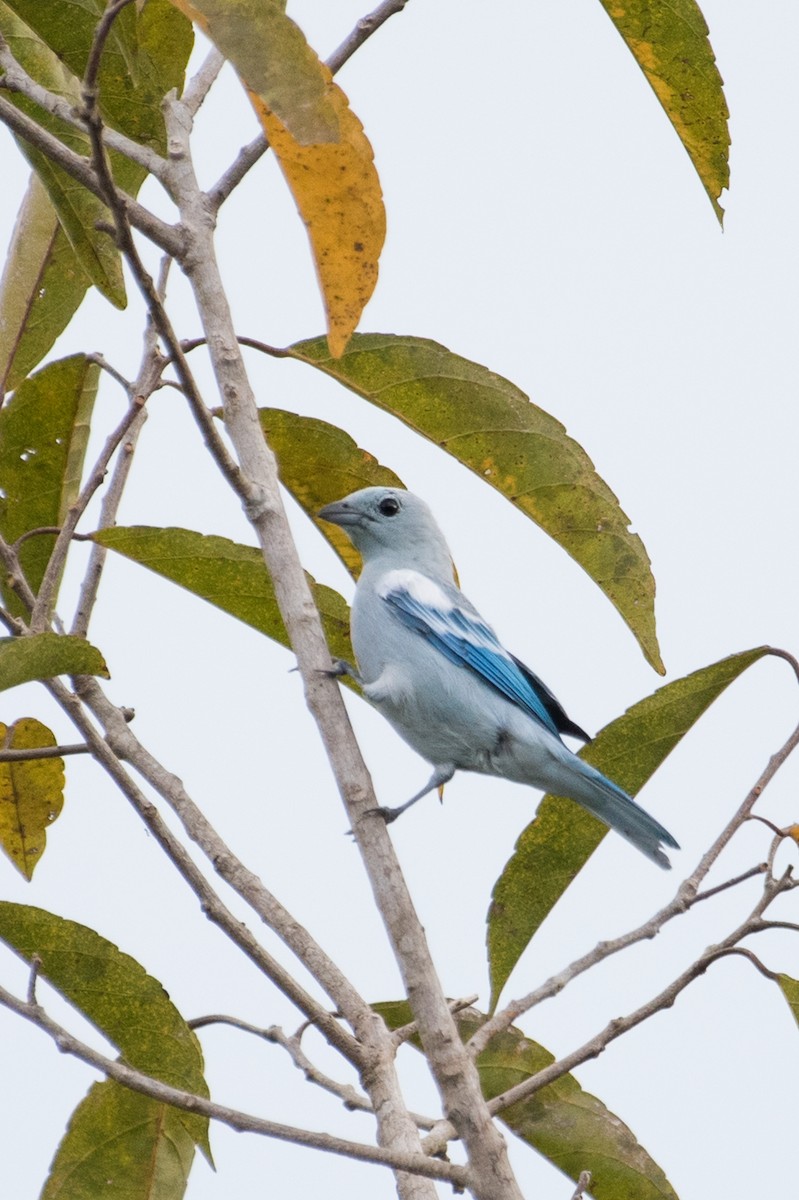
{"points": [[490, 426], [670, 44], [31, 794]]}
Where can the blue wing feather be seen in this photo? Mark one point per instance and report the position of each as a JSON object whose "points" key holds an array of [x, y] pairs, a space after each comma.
{"points": [[465, 639]]}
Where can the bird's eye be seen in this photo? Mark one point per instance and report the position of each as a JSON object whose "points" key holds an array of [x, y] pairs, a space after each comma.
{"points": [[389, 506]]}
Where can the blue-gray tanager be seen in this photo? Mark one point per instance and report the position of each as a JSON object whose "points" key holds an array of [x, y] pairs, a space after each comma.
{"points": [[433, 667]]}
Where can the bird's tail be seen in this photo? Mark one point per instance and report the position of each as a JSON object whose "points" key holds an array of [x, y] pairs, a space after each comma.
{"points": [[605, 800]]}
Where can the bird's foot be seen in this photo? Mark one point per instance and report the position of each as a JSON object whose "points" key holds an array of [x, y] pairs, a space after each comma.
{"points": [[341, 668]]}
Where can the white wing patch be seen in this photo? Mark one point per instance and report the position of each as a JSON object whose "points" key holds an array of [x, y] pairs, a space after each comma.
{"points": [[419, 587], [441, 611]]}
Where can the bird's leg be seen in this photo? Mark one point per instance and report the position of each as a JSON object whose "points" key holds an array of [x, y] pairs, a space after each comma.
{"points": [[340, 668], [441, 775]]}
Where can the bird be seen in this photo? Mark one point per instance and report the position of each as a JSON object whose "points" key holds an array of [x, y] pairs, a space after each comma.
{"points": [[437, 671]]}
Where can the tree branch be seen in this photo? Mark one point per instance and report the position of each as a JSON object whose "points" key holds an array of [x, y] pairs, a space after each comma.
{"points": [[163, 235], [199, 87], [664, 999], [15, 79], [45, 599], [125, 745], [363, 31], [148, 379], [38, 752], [686, 896], [258, 489], [67, 1043]]}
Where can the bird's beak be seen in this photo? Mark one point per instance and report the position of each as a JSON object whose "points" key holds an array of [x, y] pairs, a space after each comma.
{"points": [[340, 513]]}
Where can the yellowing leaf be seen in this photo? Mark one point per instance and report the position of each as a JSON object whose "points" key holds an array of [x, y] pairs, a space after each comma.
{"points": [[670, 44], [320, 463], [31, 794], [319, 142], [337, 191], [272, 57], [489, 425], [790, 990]]}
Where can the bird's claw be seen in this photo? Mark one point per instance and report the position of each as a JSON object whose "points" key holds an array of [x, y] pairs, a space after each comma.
{"points": [[388, 815], [339, 669]]}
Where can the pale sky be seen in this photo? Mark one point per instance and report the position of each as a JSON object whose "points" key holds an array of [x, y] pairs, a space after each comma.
{"points": [[544, 221]]}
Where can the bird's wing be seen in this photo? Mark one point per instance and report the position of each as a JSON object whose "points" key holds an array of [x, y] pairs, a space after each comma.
{"points": [[446, 619]]}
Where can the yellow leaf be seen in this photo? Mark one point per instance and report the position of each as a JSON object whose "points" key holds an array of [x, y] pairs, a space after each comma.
{"points": [[319, 142], [31, 794], [337, 191]]}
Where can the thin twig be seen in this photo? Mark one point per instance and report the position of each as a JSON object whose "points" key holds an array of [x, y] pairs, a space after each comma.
{"points": [[46, 529], [363, 31], [106, 366], [33, 975], [162, 234], [67, 1043], [101, 33], [18, 584], [15, 79], [406, 1032], [148, 379], [200, 85], [43, 752], [583, 1183], [743, 952], [144, 280], [760, 869], [225, 862], [663, 1000], [684, 899], [349, 1096]]}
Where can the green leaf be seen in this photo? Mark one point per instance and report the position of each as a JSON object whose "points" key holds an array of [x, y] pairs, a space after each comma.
{"points": [[116, 995], [42, 287], [43, 435], [490, 426], [790, 990], [670, 44], [558, 842], [78, 210], [320, 463], [272, 57], [123, 1145], [230, 576], [31, 793], [144, 58], [45, 655], [569, 1127]]}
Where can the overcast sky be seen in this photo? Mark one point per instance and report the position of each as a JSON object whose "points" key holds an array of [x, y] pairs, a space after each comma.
{"points": [[545, 221]]}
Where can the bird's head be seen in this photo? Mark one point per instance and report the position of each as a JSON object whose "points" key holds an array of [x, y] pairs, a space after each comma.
{"points": [[390, 522]]}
